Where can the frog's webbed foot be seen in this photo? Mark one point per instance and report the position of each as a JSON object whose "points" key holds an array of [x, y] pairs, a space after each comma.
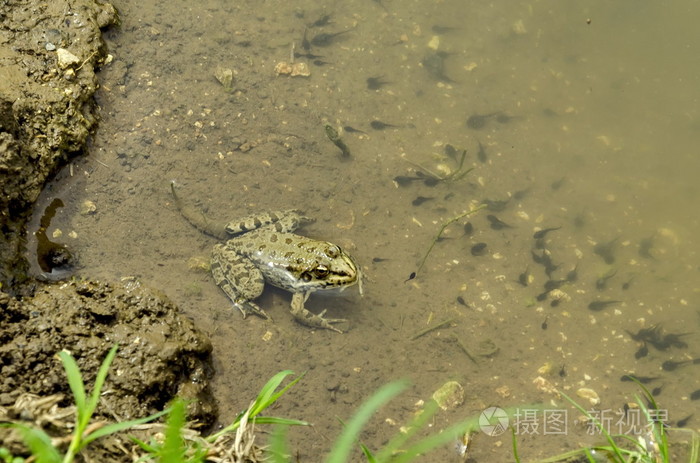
{"points": [[303, 316], [251, 308]]}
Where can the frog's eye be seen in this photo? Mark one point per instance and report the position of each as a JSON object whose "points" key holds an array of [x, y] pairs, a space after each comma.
{"points": [[321, 271], [333, 251]]}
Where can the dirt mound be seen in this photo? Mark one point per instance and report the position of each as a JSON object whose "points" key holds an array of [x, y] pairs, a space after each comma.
{"points": [[160, 354]]}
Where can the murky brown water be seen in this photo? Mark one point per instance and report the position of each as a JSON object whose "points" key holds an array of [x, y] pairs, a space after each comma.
{"points": [[600, 137]]}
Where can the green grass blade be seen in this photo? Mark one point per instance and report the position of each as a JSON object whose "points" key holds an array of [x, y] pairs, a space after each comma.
{"points": [[75, 381], [121, 426], [39, 444], [589, 456], [267, 394], [99, 382], [615, 449], [368, 454], [344, 443], [514, 440], [417, 424], [694, 447], [283, 421], [146, 447], [173, 446], [265, 398], [436, 440], [658, 428], [277, 448]]}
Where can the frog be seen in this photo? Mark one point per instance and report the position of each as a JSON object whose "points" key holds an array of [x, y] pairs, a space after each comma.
{"points": [[263, 248]]}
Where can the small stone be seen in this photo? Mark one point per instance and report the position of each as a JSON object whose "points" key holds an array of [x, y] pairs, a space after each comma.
{"points": [[449, 396], [88, 208], [66, 58], [299, 69], [225, 77], [590, 394], [434, 43]]}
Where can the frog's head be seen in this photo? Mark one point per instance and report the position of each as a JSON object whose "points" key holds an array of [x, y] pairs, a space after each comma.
{"points": [[333, 268]]}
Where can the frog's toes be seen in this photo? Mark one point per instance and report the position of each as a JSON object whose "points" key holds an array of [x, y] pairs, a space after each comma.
{"points": [[318, 321], [248, 308]]}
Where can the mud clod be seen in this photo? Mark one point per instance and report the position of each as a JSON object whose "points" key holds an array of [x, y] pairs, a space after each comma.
{"points": [[161, 354]]}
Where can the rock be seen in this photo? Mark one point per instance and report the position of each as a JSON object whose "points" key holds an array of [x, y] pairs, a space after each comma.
{"points": [[88, 207], [66, 58], [449, 396], [225, 77]]}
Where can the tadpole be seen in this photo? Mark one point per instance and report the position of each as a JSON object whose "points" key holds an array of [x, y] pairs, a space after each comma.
{"points": [[645, 247], [468, 228], [496, 223], [379, 125], [600, 305], [641, 379], [350, 129], [605, 250], [642, 351], [322, 21], [324, 39], [573, 274], [557, 184], [542, 233], [495, 205], [503, 118], [375, 83], [524, 278], [683, 422], [554, 284], [420, 200], [451, 151], [478, 121], [670, 365], [479, 249]]}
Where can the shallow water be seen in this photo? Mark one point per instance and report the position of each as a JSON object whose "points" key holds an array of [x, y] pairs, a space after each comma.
{"points": [[597, 134]]}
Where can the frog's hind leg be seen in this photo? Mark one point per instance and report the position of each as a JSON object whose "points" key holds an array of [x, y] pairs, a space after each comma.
{"points": [[303, 316], [239, 278], [280, 221]]}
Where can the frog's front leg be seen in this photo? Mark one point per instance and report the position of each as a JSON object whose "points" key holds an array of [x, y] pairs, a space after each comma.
{"points": [[307, 318], [239, 278]]}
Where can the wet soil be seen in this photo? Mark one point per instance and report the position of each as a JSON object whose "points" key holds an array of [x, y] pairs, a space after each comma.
{"points": [[49, 54], [161, 354]]}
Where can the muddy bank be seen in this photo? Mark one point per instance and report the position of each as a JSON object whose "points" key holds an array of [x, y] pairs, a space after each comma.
{"points": [[48, 59], [161, 354], [49, 53]]}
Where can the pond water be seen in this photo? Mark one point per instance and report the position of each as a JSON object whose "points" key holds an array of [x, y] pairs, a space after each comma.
{"points": [[579, 117]]}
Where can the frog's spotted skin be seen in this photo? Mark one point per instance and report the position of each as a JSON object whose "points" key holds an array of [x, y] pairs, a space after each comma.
{"points": [[263, 248]]}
